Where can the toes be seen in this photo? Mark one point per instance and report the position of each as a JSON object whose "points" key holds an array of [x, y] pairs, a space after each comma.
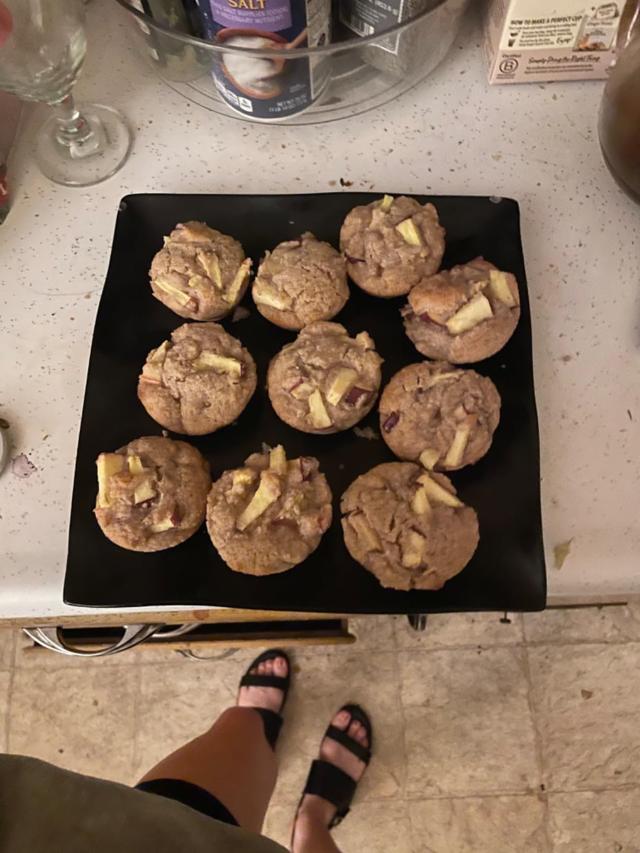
{"points": [[280, 667], [341, 720], [361, 737], [358, 732], [268, 667]]}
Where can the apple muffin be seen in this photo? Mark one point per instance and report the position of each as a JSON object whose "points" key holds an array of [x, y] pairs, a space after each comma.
{"points": [[199, 273], [392, 244], [464, 314], [324, 381], [152, 493], [439, 415], [300, 282], [269, 515], [198, 381], [407, 526]]}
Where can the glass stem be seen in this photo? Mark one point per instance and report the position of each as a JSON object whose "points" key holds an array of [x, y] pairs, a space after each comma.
{"points": [[72, 130]]}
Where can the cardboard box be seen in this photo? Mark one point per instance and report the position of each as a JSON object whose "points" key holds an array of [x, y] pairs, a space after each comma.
{"points": [[546, 40]]}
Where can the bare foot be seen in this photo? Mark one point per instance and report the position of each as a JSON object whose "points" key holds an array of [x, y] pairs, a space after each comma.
{"points": [[265, 697], [314, 809]]}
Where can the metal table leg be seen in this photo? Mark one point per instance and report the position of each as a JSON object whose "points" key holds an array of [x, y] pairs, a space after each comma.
{"points": [[418, 621]]}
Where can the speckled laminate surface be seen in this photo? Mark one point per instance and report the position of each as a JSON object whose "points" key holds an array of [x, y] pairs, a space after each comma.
{"points": [[452, 134]]}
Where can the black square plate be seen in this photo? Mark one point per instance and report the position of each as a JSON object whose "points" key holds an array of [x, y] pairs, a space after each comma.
{"points": [[507, 571]]}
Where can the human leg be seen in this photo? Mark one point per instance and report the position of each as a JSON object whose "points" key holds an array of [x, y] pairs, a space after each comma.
{"points": [[233, 760], [316, 814]]}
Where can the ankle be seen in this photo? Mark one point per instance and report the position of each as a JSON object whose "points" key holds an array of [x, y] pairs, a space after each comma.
{"points": [[309, 823], [314, 811]]}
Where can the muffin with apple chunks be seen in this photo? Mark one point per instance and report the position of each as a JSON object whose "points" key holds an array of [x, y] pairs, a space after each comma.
{"points": [[392, 244], [199, 273], [464, 314], [198, 381], [151, 493], [269, 515], [407, 526], [439, 415], [300, 282], [324, 381]]}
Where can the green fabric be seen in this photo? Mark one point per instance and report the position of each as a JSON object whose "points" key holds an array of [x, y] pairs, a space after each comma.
{"points": [[44, 809]]}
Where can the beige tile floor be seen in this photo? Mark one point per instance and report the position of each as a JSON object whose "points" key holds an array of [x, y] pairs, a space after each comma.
{"points": [[491, 737]]}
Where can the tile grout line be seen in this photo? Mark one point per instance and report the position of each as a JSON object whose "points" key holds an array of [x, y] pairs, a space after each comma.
{"points": [[631, 786], [593, 642], [413, 833], [403, 720], [595, 789], [403, 717], [479, 796], [137, 705], [538, 746]]}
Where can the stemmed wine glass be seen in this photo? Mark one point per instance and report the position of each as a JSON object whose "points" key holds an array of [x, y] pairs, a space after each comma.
{"points": [[42, 48]]}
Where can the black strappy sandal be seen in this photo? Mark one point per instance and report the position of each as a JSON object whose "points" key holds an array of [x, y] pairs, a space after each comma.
{"points": [[271, 720], [330, 782]]}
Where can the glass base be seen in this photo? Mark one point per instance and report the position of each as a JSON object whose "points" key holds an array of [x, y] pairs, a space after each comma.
{"points": [[82, 165]]}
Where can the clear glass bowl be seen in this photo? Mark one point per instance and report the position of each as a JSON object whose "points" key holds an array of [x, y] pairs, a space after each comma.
{"points": [[349, 77]]}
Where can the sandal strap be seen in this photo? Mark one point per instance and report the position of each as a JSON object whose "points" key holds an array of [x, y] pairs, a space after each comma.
{"points": [[332, 784], [355, 748], [272, 723], [257, 680], [271, 720]]}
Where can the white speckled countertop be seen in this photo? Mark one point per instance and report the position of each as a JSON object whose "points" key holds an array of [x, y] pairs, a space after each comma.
{"points": [[452, 134]]}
